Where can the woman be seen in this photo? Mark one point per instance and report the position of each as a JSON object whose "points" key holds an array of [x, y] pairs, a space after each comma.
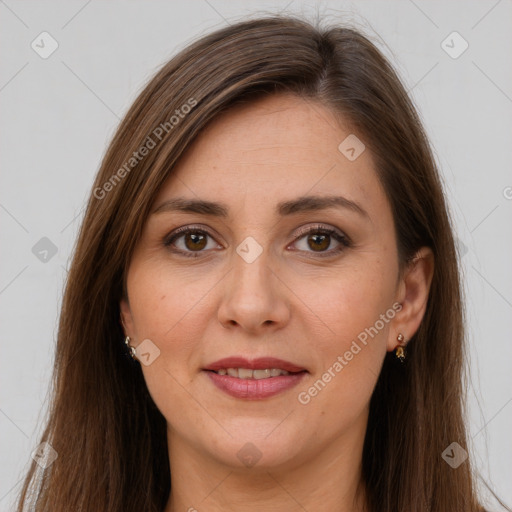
{"points": [[268, 239]]}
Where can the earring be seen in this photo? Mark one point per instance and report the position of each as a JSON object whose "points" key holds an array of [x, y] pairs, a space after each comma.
{"points": [[400, 352], [131, 349]]}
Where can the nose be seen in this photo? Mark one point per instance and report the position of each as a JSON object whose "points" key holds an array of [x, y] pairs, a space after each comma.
{"points": [[254, 298]]}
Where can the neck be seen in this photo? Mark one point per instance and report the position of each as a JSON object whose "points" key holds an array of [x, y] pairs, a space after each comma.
{"points": [[329, 481]]}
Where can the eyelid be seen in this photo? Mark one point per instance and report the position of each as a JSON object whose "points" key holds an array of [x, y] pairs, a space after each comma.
{"points": [[185, 229], [304, 230]]}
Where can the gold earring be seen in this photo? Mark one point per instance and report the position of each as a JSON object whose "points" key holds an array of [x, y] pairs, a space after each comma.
{"points": [[400, 352], [131, 349]]}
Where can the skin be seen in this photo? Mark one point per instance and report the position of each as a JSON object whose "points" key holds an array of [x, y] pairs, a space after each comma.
{"points": [[290, 303]]}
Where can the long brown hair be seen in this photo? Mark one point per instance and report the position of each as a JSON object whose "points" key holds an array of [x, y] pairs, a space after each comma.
{"points": [[109, 436]]}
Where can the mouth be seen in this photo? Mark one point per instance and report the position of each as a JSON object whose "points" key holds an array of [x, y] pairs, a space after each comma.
{"points": [[247, 373], [254, 380]]}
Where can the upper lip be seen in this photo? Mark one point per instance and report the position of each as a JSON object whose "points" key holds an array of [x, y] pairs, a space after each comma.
{"points": [[255, 364]]}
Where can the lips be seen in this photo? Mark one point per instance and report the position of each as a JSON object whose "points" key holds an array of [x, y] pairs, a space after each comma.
{"points": [[244, 379]]}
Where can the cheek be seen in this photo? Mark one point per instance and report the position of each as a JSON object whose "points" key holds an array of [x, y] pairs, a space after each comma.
{"points": [[173, 310], [169, 310], [343, 304], [348, 335], [164, 299]]}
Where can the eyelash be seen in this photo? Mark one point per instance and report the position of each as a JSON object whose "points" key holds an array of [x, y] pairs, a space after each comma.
{"points": [[317, 229]]}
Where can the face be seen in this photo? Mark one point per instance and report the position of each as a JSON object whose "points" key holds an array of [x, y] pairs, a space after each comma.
{"points": [[316, 288]]}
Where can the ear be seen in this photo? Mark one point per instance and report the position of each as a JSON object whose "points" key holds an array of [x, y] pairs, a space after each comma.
{"points": [[413, 292], [127, 318]]}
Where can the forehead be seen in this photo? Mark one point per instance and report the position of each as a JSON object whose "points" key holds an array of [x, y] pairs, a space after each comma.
{"points": [[270, 150]]}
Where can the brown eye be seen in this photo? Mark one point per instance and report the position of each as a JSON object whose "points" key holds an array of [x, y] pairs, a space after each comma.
{"points": [[319, 242], [194, 241]]}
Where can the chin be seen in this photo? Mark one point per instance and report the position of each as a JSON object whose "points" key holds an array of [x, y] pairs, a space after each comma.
{"points": [[258, 445]]}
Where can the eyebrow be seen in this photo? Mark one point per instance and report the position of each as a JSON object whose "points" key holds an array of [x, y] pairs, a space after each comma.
{"points": [[299, 205]]}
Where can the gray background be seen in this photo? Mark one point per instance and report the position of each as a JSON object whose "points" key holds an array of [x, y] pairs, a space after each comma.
{"points": [[59, 113]]}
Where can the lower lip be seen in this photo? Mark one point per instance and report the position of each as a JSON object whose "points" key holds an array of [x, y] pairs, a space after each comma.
{"points": [[255, 389]]}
